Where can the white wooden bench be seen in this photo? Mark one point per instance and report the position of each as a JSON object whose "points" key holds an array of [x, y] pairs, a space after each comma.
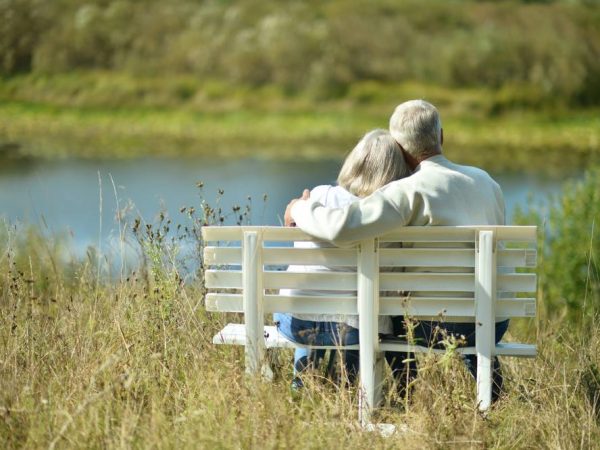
{"points": [[462, 273]]}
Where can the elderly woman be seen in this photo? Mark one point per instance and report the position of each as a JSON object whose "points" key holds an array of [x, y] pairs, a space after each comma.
{"points": [[374, 162]]}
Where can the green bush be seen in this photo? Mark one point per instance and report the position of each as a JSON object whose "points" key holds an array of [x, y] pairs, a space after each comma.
{"points": [[570, 270], [550, 50]]}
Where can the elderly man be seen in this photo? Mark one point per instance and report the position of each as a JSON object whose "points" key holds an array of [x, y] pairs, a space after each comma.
{"points": [[438, 193]]}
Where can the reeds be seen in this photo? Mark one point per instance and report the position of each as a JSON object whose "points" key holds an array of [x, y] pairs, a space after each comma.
{"points": [[127, 362]]}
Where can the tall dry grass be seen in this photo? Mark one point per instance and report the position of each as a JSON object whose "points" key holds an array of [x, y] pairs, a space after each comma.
{"points": [[126, 361]]}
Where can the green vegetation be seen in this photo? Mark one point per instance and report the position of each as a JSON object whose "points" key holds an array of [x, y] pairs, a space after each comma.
{"points": [[570, 279], [517, 81], [547, 51], [95, 114], [92, 361]]}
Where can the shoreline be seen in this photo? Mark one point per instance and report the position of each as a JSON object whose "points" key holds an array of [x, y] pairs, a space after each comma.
{"points": [[99, 115]]}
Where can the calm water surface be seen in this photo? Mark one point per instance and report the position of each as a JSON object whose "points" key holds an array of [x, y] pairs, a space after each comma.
{"points": [[78, 196]]}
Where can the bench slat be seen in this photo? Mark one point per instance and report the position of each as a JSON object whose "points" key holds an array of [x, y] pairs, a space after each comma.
{"points": [[235, 334], [225, 303], [516, 349], [433, 282], [222, 255], [389, 306], [337, 281], [401, 257], [310, 256], [501, 349], [284, 256], [451, 257], [406, 234], [517, 282], [310, 304], [346, 281], [523, 257], [431, 234], [453, 307], [234, 233], [284, 304], [426, 257], [223, 279], [459, 234]]}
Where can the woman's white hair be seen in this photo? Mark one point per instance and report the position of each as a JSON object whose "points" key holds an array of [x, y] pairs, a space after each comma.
{"points": [[416, 126], [375, 161]]}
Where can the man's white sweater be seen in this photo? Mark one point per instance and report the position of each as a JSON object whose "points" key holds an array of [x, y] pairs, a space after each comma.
{"points": [[438, 193]]}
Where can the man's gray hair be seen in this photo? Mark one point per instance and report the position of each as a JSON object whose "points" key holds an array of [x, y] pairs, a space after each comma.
{"points": [[375, 161], [416, 126]]}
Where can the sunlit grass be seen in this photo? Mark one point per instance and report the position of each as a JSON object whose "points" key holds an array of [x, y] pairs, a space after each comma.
{"points": [[118, 116], [48, 132], [90, 360], [131, 364]]}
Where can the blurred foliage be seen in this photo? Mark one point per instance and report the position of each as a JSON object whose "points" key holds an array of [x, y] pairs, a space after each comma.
{"points": [[570, 269], [38, 122], [535, 53]]}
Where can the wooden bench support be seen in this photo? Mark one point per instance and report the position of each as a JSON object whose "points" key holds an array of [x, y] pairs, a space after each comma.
{"points": [[368, 313], [485, 317], [253, 300]]}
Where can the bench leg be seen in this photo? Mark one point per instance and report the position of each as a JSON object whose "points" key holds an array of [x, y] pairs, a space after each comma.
{"points": [[371, 385], [368, 310], [253, 307], [484, 381], [366, 399], [485, 296]]}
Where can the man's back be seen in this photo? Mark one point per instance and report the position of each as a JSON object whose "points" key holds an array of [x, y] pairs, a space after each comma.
{"points": [[450, 194]]}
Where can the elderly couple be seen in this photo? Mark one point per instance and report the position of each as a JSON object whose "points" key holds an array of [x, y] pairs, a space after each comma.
{"points": [[392, 179]]}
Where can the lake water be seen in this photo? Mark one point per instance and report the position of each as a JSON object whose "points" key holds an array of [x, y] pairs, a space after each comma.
{"points": [[65, 195]]}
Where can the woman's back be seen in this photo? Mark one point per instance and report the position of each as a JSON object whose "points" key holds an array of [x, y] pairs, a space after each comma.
{"points": [[335, 197]]}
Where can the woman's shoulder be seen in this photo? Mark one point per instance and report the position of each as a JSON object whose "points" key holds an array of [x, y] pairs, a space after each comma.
{"points": [[334, 196], [319, 193]]}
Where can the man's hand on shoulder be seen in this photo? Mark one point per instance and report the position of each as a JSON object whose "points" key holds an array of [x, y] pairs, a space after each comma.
{"points": [[289, 221]]}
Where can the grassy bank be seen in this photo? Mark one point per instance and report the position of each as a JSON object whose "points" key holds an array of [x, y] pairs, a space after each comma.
{"points": [[102, 115], [132, 366], [88, 361]]}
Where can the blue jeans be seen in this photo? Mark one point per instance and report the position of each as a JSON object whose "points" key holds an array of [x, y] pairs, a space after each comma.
{"points": [[308, 332], [428, 334]]}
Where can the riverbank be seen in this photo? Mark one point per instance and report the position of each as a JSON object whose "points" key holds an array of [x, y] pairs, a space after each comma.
{"points": [[116, 116]]}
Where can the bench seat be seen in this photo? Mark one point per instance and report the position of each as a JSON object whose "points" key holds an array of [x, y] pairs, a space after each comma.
{"points": [[235, 334]]}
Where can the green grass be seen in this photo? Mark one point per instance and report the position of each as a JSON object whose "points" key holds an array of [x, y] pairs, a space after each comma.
{"points": [[103, 115], [48, 132]]}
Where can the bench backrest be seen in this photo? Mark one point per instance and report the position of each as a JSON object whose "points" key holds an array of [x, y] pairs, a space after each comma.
{"points": [[472, 273], [422, 271]]}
